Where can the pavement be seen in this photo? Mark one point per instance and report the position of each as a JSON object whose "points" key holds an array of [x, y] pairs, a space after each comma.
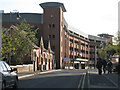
{"points": [[105, 81]]}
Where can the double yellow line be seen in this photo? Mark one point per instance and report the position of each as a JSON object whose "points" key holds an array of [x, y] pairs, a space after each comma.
{"points": [[82, 81]]}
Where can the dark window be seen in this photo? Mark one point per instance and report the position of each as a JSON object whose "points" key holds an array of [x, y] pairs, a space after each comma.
{"points": [[49, 26], [53, 36], [87, 46], [71, 48], [53, 25], [71, 40], [53, 48], [86, 52], [49, 36]]}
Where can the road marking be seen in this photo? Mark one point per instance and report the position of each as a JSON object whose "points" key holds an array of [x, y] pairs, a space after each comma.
{"points": [[88, 79], [20, 77], [80, 82], [25, 76], [83, 82]]}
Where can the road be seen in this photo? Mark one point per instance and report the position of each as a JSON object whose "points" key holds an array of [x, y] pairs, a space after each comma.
{"points": [[60, 79], [78, 79]]}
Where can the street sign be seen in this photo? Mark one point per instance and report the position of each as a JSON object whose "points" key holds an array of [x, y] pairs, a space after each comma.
{"points": [[35, 54]]}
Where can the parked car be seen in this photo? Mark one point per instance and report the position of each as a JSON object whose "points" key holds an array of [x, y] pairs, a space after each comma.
{"points": [[9, 77]]}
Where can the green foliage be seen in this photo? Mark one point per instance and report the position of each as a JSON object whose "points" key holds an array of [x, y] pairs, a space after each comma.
{"points": [[102, 53], [118, 45], [16, 44], [106, 51]]}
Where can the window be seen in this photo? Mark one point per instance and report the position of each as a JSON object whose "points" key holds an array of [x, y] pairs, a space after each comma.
{"points": [[53, 47], [53, 25], [71, 40], [49, 26], [53, 36], [7, 66], [49, 36], [2, 66]]}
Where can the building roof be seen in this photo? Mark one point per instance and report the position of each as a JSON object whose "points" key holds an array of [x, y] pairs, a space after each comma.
{"points": [[77, 31], [105, 35], [97, 38], [36, 18], [53, 4]]}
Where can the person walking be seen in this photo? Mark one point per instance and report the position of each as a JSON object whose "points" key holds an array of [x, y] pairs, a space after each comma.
{"points": [[104, 65], [99, 67], [109, 66]]}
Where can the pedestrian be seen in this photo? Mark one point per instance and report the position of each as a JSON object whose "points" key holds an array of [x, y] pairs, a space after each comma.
{"points": [[99, 67], [109, 66], [104, 62]]}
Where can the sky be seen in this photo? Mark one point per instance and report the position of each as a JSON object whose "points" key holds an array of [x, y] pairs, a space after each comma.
{"points": [[89, 16]]}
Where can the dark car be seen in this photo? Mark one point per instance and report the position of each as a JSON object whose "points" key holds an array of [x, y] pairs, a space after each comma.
{"points": [[9, 77]]}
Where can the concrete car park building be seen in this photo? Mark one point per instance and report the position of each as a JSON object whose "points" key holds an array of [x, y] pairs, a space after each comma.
{"points": [[71, 46]]}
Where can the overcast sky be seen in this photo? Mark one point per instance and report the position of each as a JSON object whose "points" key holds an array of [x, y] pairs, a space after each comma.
{"points": [[90, 16]]}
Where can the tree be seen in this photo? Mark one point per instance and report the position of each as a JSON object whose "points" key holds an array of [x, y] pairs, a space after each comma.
{"points": [[107, 51], [102, 53], [18, 41]]}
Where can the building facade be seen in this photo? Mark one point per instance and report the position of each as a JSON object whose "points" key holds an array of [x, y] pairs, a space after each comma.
{"points": [[71, 47]]}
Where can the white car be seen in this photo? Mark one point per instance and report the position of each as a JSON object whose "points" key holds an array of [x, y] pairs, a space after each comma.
{"points": [[8, 77]]}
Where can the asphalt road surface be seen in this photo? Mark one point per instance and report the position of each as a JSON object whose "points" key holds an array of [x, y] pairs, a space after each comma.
{"points": [[60, 79]]}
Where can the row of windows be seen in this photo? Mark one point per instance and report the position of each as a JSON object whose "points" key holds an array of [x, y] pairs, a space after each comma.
{"points": [[51, 36], [93, 52], [51, 26], [71, 56]]}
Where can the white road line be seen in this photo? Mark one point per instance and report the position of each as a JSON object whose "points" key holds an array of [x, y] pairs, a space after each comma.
{"points": [[83, 82], [25, 76], [80, 82], [20, 77], [88, 79]]}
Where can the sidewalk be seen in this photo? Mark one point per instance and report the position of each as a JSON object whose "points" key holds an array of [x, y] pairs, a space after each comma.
{"points": [[28, 74], [106, 81]]}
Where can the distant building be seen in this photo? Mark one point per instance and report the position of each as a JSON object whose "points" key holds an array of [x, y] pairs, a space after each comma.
{"points": [[94, 44], [107, 36]]}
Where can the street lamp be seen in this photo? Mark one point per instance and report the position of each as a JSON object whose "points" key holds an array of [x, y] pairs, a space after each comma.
{"points": [[17, 15]]}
